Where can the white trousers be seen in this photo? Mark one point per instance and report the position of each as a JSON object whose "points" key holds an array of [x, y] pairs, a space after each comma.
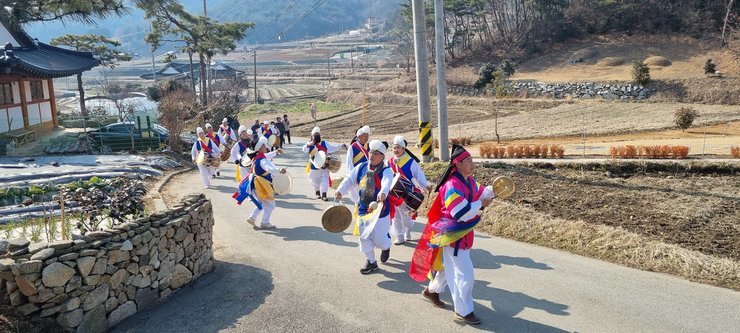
{"points": [[379, 238], [437, 285], [267, 206], [319, 180], [402, 222], [205, 172], [460, 278]]}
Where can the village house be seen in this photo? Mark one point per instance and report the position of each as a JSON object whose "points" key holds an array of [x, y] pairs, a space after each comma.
{"points": [[27, 70]]}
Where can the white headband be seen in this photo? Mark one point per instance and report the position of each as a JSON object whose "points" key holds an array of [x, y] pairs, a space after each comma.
{"points": [[266, 122], [315, 130], [378, 146], [261, 142], [199, 130], [363, 130], [225, 120], [399, 141], [242, 128], [208, 125]]}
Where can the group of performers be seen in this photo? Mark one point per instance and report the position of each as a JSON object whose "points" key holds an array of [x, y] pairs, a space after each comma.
{"points": [[443, 251]]}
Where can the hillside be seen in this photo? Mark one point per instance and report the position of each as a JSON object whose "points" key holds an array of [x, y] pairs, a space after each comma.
{"points": [[270, 17], [610, 57]]}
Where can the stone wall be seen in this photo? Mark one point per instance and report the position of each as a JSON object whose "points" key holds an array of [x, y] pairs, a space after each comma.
{"points": [[94, 282], [568, 90]]}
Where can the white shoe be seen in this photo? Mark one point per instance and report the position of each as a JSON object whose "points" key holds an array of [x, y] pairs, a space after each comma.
{"points": [[251, 221], [267, 226], [408, 235], [400, 240]]}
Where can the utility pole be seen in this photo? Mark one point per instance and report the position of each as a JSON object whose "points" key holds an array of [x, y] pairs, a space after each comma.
{"points": [[205, 13], [439, 37], [328, 67], [255, 75], [422, 80]]}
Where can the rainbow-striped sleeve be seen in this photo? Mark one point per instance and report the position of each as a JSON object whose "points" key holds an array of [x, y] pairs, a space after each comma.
{"points": [[458, 206]]}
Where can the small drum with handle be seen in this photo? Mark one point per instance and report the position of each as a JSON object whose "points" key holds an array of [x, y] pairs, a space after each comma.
{"points": [[333, 164], [503, 187], [200, 159], [319, 159], [282, 183], [273, 139], [336, 218]]}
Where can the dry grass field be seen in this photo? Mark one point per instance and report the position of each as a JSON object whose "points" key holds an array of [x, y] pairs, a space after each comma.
{"points": [[671, 218]]}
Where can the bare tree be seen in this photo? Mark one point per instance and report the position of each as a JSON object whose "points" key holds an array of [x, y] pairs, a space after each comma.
{"points": [[727, 18]]}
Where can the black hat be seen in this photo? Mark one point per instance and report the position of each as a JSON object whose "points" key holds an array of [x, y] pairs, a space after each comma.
{"points": [[458, 153]]}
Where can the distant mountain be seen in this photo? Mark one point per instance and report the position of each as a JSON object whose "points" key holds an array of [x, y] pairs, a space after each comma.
{"points": [[303, 18]]}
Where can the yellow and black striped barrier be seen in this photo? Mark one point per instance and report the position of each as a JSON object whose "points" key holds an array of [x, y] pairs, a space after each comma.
{"points": [[425, 137]]}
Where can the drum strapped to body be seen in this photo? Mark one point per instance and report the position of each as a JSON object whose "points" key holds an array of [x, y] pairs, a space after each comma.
{"points": [[403, 188], [226, 153], [336, 218], [212, 162]]}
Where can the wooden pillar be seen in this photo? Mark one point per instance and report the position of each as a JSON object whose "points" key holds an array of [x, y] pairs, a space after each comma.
{"points": [[53, 102], [24, 103]]}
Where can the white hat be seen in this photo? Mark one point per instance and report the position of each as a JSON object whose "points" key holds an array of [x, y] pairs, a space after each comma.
{"points": [[199, 130], [315, 130], [250, 132], [208, 125], [399, 141], [378, 146], [261, 142], [363, 130], [242, 128], [266, 122], [225, 120]]}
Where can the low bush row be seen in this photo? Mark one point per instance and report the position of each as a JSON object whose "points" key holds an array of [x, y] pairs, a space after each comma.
{"points": [[491, 150], [630, 151]]}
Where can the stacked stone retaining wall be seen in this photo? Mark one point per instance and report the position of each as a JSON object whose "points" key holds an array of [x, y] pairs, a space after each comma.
{"points": [[93, 283], [567, 90]]}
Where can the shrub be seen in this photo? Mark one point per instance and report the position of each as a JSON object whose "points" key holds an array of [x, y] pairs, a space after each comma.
{"points": [[485, 150], [710, 67], [630, 151], [485, 75], [684, 117], [501, 152], [174, 110], [680, 151], [510, 151], [613, 151], [557, 151], [536, 150], [526, 151], [640, 73], [507, 68], [544, 150], [735, 151]]}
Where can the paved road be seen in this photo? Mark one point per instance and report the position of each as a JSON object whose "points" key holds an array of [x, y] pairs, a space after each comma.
{"points": [[300, 278]]}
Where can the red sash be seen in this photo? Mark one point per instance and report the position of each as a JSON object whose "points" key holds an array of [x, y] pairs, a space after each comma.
{"points": [[214, 138]]}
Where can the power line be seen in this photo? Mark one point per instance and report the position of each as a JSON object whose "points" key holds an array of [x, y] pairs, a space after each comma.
{"points": [[313, 8]]}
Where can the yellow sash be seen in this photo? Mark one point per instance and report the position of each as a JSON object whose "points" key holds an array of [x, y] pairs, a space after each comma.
{"points": [[310, 156], [263, 188]]}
